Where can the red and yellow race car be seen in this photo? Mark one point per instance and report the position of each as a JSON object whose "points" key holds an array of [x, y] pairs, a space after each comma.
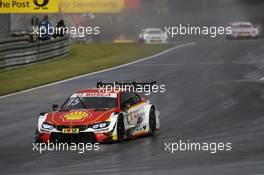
{"points": [[99, 115]]}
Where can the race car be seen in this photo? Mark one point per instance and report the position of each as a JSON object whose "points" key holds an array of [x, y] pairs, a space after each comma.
{"points": [[242, 30], [153, 35], [99, 115]]}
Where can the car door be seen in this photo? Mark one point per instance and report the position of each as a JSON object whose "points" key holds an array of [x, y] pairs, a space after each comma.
{"points": [[130, 102]]}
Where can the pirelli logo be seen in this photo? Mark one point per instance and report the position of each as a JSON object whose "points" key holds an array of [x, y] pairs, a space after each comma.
{"points": [[29, 6]]}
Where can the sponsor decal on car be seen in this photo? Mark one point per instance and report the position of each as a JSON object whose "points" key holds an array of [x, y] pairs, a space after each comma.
{"points": [[70, 130], [77, 115], [97, 94]]}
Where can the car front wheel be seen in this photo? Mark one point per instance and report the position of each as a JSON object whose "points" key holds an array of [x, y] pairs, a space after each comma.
{"points": [[152, 121], [120, 128]]}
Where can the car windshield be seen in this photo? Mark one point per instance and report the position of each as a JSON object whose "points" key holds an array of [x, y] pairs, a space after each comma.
{"points": [[154, 32], [90, 103], [243, 26]]}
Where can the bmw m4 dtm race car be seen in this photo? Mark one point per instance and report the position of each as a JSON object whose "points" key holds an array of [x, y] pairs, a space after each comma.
{"points": [[99, 115], [242, 30]]}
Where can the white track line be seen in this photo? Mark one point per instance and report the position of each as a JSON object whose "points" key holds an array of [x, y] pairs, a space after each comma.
{"points": [[189, 64], [101, 71]]}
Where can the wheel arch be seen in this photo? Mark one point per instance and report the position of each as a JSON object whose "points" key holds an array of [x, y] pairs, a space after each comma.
{"points": [[147, 112]]}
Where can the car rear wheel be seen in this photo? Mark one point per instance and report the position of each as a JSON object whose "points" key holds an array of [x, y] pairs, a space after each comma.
{"points": [[120, 128], [152, 121]]}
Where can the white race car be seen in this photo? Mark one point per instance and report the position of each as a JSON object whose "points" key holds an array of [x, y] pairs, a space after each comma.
{"points": [[243, 29], [153, 35]]}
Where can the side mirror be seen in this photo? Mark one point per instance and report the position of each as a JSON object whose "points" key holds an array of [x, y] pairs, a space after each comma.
{"points": [[55, 107]]}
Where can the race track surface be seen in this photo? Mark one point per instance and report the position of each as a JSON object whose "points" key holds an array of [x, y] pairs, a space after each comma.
{"points": [[214, 93]]}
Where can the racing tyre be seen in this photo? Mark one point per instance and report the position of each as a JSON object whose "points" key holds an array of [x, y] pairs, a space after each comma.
{"points": [[120, 128], [152, 121], [37, 136]]}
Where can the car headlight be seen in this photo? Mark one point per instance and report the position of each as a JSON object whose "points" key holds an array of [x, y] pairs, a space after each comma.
{"points": [[145, 36], [100, 125], [47, 126]]}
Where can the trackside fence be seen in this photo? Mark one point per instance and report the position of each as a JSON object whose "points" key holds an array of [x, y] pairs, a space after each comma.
{"points": [[17, 51]]}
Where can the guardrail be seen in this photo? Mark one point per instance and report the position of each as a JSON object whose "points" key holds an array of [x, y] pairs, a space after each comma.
{"points": [[20, 50]]}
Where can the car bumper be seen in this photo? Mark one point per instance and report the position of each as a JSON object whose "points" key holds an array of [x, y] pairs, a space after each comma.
{"points": [[244, 35], [88, 137], [155, 40]]}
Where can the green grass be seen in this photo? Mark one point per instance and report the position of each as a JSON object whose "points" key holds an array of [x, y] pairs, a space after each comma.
{"points": [[83, 58]]}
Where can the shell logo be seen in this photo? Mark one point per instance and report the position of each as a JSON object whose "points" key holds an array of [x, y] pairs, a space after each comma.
{"points": [[77, 115]]}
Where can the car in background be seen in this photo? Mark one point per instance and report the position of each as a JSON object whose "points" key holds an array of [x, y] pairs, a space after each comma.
{"points": [[153, 35], [81, 39], [243, 30], [98, 115]]}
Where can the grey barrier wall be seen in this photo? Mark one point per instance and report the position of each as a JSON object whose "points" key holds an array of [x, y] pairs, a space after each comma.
{"points": [[5, 25], [20, 50]]}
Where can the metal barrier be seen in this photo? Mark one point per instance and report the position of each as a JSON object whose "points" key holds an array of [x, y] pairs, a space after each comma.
{"points": [[20, 50]]}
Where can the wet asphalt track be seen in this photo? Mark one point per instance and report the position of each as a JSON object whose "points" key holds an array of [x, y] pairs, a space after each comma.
{"points": [[213, 94]]}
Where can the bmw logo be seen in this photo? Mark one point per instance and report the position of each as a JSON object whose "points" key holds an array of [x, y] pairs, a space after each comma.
{"points": [[41, 4]]}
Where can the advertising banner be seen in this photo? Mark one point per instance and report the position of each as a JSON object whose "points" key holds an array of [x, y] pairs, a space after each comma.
{"points": [[91, 6], [29, 6]]}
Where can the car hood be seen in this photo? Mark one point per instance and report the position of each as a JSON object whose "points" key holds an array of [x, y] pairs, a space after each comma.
{"points": [[78, 117], [156, 35]]}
